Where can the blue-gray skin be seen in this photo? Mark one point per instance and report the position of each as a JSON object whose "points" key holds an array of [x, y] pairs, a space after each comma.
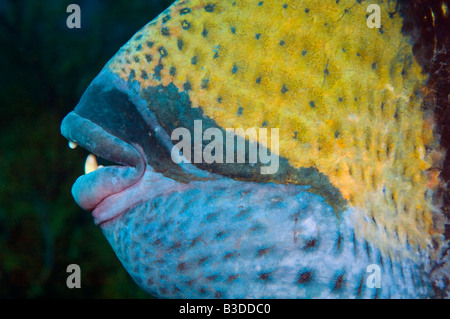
{"points": [[185, 232]]}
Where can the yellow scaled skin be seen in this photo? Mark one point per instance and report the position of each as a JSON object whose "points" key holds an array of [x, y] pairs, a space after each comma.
{"points": [[345, 97]]}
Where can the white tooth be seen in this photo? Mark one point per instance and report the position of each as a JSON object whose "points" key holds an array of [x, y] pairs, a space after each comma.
{"points": [[91, 164], [73, 145]]}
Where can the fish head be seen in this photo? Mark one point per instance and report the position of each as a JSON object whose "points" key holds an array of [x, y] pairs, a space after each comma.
{"points": [[353, 154]]}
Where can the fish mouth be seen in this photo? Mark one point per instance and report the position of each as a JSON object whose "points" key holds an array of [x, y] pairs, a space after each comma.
{"points": [[91, 189], [111, 122]]}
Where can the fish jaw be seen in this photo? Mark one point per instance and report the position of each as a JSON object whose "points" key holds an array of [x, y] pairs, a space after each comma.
{"points": [[100, 123], [91, 189], [96, 126]]}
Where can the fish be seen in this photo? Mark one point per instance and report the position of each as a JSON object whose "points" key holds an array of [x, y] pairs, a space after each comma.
{"points": [[350, 210]]}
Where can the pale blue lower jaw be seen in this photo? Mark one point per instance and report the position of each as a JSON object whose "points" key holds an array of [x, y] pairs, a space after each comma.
{"points": [[230, 239]]}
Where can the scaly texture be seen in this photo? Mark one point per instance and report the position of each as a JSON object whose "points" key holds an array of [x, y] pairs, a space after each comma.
{"points": [[345, 97]]}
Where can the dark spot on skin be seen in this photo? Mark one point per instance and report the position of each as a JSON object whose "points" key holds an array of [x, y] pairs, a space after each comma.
{"points": [[232, 278], [374, 66], [258, 229], [304, 52], [182, 267], [132, 75], [150, 44], [359, 290], [166, 18], [284, 89], [158, 69], [139, 47], [194, 60], [218, 295], [339, 284], [358, 54], [380, 30], [180, 44], [212, 216], [148, 57], [204, 32], [285, 6], [264, 124], [336, 135], [306, 10], [263, 251], [340, 99], [338, 243], [239, 111], [158, 241], [311, 103], [210, 7], [219, 99], [264, 276], [242, 214], [310, 244], [212, 278], [204, 84], [176, 245], [260, 3], [235, 69], [185, 11], [190, 282], [258, 80], [229, 255], [187, 86], [304, 277], [163, 291], [195, 241], [138, 37], [136, 59], [281, 42], [326, 72], [202, 260], [144, 75], [295, 135], [257, 36], [162, 51], [221, 235], [233, 30], [185, 25], [354, 237], [367, 249], [202, 291]]}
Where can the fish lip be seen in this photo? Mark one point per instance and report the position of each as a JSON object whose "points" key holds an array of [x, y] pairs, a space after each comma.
{"points": [[91, 189]]}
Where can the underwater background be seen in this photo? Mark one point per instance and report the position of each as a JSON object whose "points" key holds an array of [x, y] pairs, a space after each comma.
{"points": [[45, 68]]}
